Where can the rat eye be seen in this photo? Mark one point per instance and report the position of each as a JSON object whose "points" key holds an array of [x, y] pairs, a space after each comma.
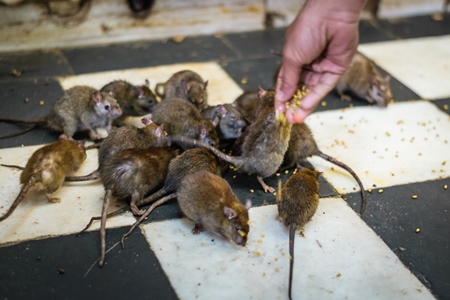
{"points": [[150, 100], [107, 107], [237, 228], [232, 117]]}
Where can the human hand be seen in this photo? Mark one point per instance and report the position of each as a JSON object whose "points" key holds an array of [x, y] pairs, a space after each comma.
{"points": [[319, 47]]}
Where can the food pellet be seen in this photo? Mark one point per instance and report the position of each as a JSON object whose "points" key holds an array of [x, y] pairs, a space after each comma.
{"points": [[41, 103], [252, 191], [445, 187], [380, 191], [414, 196], [417, 230]]}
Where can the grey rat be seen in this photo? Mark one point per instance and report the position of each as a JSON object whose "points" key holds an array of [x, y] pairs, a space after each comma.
{"points": [[297, 202], [80, 108], [122, 138], [364, 80], [47, 167], [186, 85], [265, 145], [208, 200], [132, 173], [134, 100], [188, 162], [181, 117], [302, 145], [229, 121]]}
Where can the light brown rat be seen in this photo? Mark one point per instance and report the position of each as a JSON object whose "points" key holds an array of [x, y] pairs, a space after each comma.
{"points": [[186, 85], [364, 80], [47, 167], [134, 100], [131, 173], [208, 201], [302, 145], [181, 117], [80, 108], [190, 161], [122, 138], [297, 202], [263, 148]]}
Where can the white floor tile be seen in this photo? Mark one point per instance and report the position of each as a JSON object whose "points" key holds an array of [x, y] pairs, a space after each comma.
{"points": [[35, 217], [29, 26], [422, 64], [338, 258], [407, 142], [404, 8]]}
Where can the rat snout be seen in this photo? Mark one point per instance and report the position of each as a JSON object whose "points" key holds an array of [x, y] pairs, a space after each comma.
{"points": [[239, 124], [117, 112], [240, 240]]}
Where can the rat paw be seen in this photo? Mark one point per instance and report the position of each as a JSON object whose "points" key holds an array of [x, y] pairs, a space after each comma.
{"points": [[346, 98], [197, 228], [53, 200], [269, 189], [136, 211]]}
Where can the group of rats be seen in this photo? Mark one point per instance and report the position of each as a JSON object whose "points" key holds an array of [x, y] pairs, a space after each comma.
{"points": [[175, 154]]}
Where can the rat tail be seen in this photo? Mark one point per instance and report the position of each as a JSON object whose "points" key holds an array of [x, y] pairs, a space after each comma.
{"points": [[292, 228], [344, 166], [236, 161], [13, 166], [26, 187], [92, 176], [152, 197], [40, 121], [111, 214], [106, 201], [19, 133]]}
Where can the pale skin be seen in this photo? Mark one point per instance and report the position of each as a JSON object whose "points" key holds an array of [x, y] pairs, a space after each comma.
{"points": [[319, 47]]}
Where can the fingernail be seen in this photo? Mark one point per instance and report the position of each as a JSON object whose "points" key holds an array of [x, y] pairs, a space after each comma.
{"points": [[279, 95]]}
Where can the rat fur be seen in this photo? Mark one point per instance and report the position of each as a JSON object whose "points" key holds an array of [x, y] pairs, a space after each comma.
{"points": [[47, 167], [229, 121]]}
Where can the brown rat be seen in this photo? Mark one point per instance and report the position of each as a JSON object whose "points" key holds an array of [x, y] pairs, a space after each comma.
{"points": [[190, 161], [122, 138], [134, 100], [181, 117], [302, 145], [264, 147], [247, 104], [80, 108], [132, 173], [208, 201], [297, 202], [229, 121], [47, 167], [364, 80], [186, 85]]}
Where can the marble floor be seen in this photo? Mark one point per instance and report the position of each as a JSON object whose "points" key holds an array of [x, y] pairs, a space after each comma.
{"points": [[398, 249]]}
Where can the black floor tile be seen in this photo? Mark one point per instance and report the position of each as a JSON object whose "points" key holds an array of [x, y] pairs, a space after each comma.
{"points": [[421, 26], [395, 216], [250, 74], [147, 54], [257, 44], [370, 33], [443, 104], [15, 105], [39, 64], [58, 268]]}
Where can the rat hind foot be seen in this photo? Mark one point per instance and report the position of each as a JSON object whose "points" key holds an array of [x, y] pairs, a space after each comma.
{"points": [[53, 200], [346, 98], [197, 228]]}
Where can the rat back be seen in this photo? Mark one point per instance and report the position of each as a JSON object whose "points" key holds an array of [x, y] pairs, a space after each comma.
{"points": [[187, 85], [248, 105], [207, 199], [301, 145], [181, 117]]}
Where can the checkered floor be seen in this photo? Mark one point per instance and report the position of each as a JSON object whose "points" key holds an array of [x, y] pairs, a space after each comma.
{"points": [[398, 152]]}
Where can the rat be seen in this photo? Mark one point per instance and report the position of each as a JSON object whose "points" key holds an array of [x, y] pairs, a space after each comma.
{"points": [[122, 138], [188, 162], [135, 101], [80, 108], [247, 104], [264, 147], [297, 202], [47, 167], [208, 200], [186, 85], [302, 145], [364, 80], [131, 173], [228, 119], [181, 117]]}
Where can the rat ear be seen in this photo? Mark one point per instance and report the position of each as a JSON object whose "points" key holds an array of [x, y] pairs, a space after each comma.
{"points": [[146, 121], [81, 145], [374, 82], [222, 110], [229, 212], [96, 96], [202, 131], [204, 85], [261, 92], [139, 92], [387, 78], [215, 121], [248, 204], [160, 131], [184, 86], [147, 83]]}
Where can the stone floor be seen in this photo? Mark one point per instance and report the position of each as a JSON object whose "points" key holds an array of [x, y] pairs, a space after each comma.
{"points": [[398, 152]]}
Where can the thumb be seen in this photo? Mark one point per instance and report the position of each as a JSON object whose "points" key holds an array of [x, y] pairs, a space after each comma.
{"points": [[287, 82]]}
